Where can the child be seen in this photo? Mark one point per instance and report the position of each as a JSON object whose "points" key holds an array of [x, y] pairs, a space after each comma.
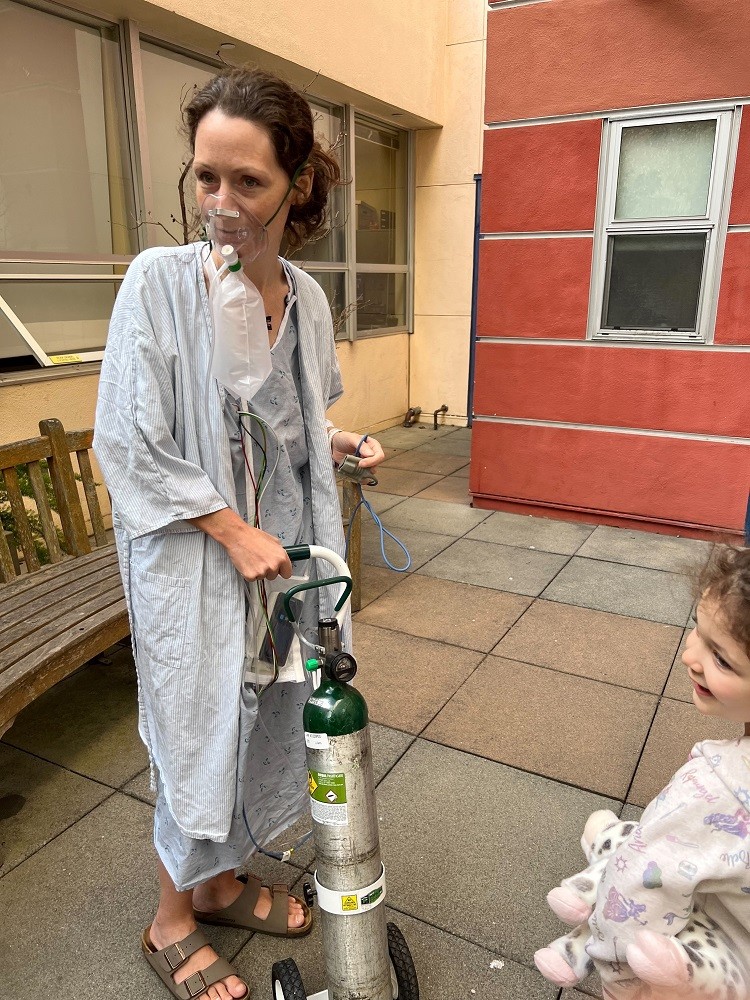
{"points": [[691, 850]]}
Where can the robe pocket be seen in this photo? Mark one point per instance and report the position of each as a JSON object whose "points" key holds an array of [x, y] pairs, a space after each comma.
{"points": [[165, 616]]}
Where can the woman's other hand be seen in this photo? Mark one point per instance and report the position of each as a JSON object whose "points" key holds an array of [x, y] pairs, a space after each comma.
{"points": [[345, 443]]}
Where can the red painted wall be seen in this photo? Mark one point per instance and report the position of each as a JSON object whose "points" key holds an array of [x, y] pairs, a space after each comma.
{"points": [[733, 316], [675, 480], [690, 391], [534, 288], [569, 56], [540, 178]]}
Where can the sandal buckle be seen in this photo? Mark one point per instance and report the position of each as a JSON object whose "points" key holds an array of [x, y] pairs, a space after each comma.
{"points": [[195, 984], [172, 962]]}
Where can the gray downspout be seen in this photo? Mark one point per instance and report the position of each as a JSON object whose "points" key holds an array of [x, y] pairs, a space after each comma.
{"points": [[474, 297]]}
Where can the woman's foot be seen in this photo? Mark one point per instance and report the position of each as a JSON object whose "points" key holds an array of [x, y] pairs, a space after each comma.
{"points": [[222, 890], [164, 934]]}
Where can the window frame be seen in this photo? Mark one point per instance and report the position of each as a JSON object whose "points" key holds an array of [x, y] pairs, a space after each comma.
{"points": [[130, 37], [712, 224], [353, 115]]}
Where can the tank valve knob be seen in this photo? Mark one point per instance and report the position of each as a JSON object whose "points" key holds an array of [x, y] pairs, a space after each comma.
{"points": [[309, 893], [342, 667]]}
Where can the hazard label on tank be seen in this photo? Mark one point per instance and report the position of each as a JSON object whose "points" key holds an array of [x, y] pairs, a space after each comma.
{"points": [[328, 797]]}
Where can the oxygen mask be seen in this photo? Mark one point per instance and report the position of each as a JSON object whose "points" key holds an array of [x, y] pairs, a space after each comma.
{"points": [[229, 224]]}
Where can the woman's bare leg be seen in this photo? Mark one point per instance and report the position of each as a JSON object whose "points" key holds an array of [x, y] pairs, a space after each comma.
{"points": [[223, 889], [174, 920]]}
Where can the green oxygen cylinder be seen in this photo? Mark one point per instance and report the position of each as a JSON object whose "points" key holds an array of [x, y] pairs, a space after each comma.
{"points": [[349, 880]]}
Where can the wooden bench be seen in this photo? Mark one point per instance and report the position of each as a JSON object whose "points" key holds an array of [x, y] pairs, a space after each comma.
{"points": [[54, 616]]}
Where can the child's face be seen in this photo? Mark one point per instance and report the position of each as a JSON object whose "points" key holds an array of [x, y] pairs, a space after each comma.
{"points": [[718, 667]]}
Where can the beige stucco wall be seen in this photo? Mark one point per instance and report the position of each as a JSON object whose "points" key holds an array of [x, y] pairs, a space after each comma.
{"points": [[446, 163], [415, 61]]}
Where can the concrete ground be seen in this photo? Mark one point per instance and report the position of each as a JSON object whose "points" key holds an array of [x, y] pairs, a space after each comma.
{"points": [[522, 674]]}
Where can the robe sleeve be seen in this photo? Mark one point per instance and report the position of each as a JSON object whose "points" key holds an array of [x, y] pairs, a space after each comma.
{"points": [[152, 486]]}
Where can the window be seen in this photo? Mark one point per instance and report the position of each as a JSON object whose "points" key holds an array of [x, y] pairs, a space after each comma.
{"points": [[656, 253], [90, 166], [169, 82], [66, 197], [381, 226]]}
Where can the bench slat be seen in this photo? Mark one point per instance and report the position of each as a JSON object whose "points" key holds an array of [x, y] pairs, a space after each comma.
{"points": [[7, 569], [92, 499], [21, 518], [13, 592], [21, 452], [49, 529], [52, 661], [15, 627], [66, 491], [69, 614]]}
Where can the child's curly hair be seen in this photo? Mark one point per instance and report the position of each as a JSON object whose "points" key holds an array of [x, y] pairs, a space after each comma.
{"points": [[726, 579]]}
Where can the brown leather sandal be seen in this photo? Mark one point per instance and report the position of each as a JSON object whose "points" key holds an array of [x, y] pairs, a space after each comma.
{"points": [[166, 961], [241, 914]]}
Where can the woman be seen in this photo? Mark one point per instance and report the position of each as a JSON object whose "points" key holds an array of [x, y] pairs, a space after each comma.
{"points": [[173, 445]]}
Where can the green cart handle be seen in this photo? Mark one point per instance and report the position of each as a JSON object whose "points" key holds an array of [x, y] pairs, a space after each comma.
{"points": [[301, 553]]}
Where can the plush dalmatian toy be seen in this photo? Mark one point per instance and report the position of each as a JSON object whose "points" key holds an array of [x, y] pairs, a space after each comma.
{"points": [[699, 962]]}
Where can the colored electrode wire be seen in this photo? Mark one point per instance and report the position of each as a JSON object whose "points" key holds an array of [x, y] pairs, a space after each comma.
{"points": [[259, 488]]}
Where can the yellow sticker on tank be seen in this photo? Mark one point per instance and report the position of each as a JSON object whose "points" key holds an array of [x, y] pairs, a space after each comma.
{"points": [[349, 903]]}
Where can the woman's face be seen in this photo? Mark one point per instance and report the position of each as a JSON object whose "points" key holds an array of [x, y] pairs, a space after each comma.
{"points": [[235, 161]]}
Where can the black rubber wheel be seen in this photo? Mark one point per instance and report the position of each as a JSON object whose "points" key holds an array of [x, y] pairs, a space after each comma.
{"points": [[286, 982], [402, 966]]}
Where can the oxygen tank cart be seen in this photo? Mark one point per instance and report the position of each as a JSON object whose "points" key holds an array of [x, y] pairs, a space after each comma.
{"points": [[365, 958]]}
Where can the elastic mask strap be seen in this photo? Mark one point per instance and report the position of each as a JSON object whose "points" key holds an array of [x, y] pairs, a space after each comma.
{"points": [[293, 181]]}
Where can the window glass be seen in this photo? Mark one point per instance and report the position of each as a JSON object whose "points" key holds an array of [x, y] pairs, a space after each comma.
{"points": [[64, 317], [665, 170], [330, 244], [169, 82], [65, 183], [380, 193], [654, 281], [333, 284], [381, 301]]}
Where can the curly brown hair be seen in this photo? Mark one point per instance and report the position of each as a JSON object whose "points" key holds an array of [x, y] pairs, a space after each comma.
{"points": [[725, 579], [269, 101]]}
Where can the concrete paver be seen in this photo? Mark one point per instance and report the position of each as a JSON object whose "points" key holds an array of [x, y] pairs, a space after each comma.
{"points": [[501, 567], [102, 741], [453, 489], [430, 515], [456, 613], [678, 684], [676, 728], [642, 548], [487, 765], [564, 537], [403, 482], [485, 883], [418, 460], [407, 680], [37, 802], [565, 727], [614, 648], [422, 546], [625, 590]]}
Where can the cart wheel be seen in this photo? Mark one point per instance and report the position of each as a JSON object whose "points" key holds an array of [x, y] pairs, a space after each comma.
{"points": [[403, 973], [286, 981]]}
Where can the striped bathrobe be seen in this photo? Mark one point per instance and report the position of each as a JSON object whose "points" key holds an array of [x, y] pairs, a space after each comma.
{"points": [[163, 449]]}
